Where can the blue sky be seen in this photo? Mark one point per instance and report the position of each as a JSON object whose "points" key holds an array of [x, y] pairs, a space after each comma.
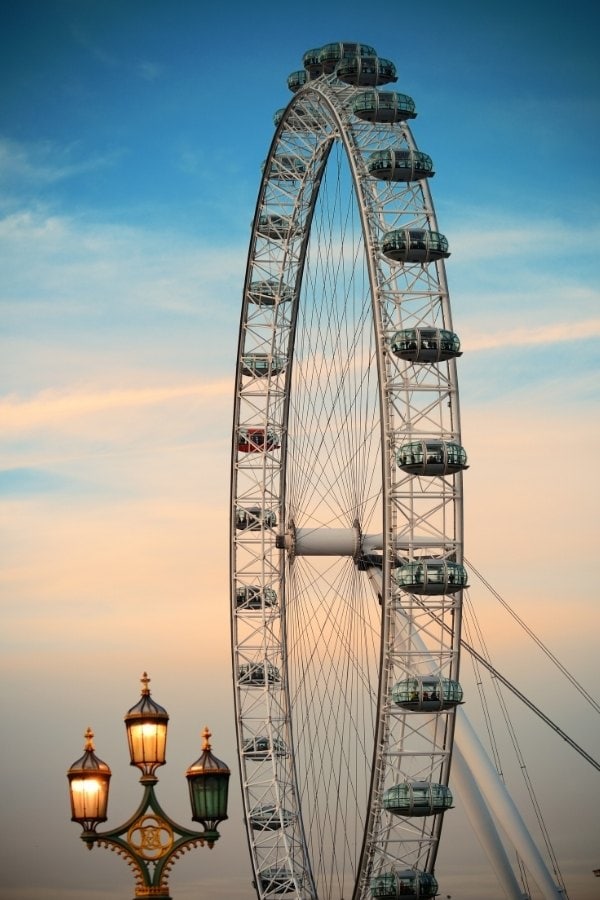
{"points": [[131, 139]]}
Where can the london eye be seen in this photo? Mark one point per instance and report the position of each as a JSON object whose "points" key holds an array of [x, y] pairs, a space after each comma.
{"points": [[347, 569]]}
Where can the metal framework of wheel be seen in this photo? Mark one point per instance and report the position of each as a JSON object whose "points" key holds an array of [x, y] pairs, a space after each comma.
{"points": [[346, 502]]}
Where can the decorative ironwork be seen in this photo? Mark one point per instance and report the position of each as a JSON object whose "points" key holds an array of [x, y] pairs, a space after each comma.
{"points": [[151, 837], [150, 842]]}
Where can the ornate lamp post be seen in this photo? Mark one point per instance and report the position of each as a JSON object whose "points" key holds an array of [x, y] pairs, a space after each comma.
{"points": [[149, 841]]}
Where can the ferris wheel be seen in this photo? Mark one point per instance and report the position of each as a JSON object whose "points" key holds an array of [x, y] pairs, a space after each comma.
{"points": [[346, 505]]}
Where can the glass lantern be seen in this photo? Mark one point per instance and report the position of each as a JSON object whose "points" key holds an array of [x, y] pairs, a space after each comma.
{"points": [[146, 725], [208, 780], [89, 779]]}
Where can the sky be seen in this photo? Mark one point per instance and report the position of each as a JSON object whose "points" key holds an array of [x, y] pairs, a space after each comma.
{"points": [[131, 139]]}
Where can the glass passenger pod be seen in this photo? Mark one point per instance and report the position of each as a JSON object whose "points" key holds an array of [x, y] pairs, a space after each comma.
{"points": [[261, 365], [400, 165], [277, 228], [332, 54], [366, 71], [431, 458], [375, 561], [431, 576], [298, 79], [417, 798], [254, 518], [258, 675], [425, 345], [275, 880], [285, 167], [270, 818], [254, 597], [387, 107], [409, 883], [311, 60], [261, 748], [414, 245], [269, 293], [257, 440], [427, 693]]}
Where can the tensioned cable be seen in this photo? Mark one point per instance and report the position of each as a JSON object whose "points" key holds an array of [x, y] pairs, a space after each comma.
{"points": [[517, 749], [481, 691], [517, 692], [579, 687]]}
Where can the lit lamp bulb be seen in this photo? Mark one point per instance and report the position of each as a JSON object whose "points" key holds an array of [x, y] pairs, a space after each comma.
{"points": [[146, 725], [89, 779]]}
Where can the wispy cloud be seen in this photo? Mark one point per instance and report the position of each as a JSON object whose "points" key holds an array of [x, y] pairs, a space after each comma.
{"points": [[48, 257], [145, 69], [53, 407], [103, 56], [484, 234], [554, 333], [45, 162], [149, 71]]}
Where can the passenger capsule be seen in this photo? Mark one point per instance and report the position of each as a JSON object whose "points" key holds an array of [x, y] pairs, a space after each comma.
{"points": [[261, 365], [427, 693], [261, 748], [431, 576], [431, 458], [254, 518], [285, 167], [257, 674], [311, 61], [383, 106], [257, 440], [425, 345], [366, 71], [270, 818], [253, 597], [298, 79], [375, 561], [409, 883], [278, 228], [332, 54], [414, 245], [276, 880], [417, 798], [400, 164], [269, 293]]}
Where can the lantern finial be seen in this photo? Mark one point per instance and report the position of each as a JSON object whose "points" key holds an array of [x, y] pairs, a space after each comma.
{"points": [[206, 736]]}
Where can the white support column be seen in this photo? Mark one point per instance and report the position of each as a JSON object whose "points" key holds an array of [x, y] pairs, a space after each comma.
{"points": [[503, 807], [472, 800]]}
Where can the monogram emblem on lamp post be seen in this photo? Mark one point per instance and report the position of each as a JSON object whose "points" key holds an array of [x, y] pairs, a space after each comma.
{"points": [[150, 841]]}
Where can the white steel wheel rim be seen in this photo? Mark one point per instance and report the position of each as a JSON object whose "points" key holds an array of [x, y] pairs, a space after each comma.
{"points": [[335, 406]]}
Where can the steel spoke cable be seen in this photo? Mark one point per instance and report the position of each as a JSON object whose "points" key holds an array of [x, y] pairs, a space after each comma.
{"points": [[515, 690], [517, 749], [339, 692], [551, 656]]}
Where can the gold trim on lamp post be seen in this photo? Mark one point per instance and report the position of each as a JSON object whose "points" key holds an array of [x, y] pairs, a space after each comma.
{"points": [[150, 841]]}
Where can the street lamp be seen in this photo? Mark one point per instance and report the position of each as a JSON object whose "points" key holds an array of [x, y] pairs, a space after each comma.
{"points": [[149, 841]]}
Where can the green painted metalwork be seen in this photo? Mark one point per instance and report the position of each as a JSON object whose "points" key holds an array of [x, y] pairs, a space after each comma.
{"points": [[150, 841]]}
